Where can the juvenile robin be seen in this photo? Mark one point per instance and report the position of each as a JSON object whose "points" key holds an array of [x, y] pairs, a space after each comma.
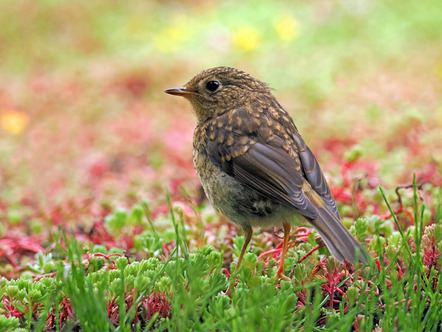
{"points": [[255, 167]]}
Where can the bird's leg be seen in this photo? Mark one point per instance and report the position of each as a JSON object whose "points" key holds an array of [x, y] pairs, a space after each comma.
{"points": [[248, 232], [280, 273]]}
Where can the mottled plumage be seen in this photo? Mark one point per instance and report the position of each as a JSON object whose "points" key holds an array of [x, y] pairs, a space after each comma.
{"points": [[254, 165]]}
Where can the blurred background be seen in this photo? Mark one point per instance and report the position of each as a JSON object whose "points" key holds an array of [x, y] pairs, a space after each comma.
{"points": [[85, 126]]}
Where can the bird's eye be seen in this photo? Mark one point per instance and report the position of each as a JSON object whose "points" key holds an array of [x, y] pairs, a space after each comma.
{"points": [[212, 85]]}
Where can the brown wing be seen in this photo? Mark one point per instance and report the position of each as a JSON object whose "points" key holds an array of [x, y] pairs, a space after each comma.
{"points": [[314, 175], [263, 149], [272, 172]]}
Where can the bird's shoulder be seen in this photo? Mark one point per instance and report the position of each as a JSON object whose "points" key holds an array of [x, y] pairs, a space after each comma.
{"points": [[233, 133]]}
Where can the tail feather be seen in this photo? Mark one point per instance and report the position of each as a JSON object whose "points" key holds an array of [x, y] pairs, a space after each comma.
{"points": [[338, 239]]}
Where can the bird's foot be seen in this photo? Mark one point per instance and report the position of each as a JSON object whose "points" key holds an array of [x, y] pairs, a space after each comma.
{"points": [[281, 276]]}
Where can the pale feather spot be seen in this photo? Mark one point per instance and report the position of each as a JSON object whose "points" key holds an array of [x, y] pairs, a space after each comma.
{"points": [[312, 195], [237, 153], [244, 140]]}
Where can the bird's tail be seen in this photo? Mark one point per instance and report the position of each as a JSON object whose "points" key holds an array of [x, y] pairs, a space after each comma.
{"points": [[338, 239]]}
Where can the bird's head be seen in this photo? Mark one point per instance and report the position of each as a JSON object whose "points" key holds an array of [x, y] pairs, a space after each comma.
{"points": [[218, 90]]}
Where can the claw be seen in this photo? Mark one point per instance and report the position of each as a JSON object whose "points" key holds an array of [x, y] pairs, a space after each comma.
{"points": [[281, 276]]}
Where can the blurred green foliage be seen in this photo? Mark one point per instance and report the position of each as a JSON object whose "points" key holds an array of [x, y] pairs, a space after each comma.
{"points": [[362, 73], [304, 42]]}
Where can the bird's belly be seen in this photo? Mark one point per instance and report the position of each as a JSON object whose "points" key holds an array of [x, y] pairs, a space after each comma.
{"points": [[240, 203]]}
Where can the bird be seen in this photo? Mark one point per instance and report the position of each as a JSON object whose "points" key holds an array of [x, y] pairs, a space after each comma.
{"points": [[254, 166]]}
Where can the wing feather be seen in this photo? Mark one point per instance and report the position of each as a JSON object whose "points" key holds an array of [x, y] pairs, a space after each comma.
{"points": [[273, 173], [314, 175]]}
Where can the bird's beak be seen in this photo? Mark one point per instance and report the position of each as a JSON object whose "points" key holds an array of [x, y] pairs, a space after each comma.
{"points": [[179, 92]]}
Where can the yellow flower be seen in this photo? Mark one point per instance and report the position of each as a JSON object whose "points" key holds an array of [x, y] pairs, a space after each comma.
{"points": [[246, 39], [287, 28], [13, 122]]}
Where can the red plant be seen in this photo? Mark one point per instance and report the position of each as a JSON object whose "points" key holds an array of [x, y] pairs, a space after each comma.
{"points": [[157, 302], [331, 285], [14, 248], [431, 255], [146, 309], [66, 313], [320, 266], [275, 253], [10, 311]]}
